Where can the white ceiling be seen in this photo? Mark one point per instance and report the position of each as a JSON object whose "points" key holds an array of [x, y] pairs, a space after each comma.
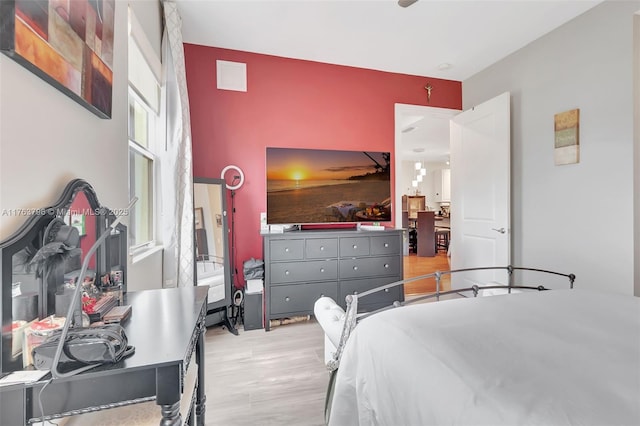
{"points": [[379, 34]]}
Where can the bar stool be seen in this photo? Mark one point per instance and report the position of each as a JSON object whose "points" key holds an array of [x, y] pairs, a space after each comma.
{"points": [[442, 239]]}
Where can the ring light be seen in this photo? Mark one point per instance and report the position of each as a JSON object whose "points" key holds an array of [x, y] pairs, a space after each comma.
{"points": [[239, 174]]}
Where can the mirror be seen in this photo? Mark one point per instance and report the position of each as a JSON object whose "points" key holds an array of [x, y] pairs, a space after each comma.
{"points": [[211, 235], [40, 261]]}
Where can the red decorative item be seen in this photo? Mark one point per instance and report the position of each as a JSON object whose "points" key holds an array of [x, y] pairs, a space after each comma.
{"points": [[88, 304]]}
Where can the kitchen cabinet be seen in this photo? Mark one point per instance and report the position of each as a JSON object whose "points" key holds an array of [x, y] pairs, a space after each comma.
{"points": [[441, 185], [412, 204]]}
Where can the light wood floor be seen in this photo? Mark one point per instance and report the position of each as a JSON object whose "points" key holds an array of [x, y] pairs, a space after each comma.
{"points": [[266, 378], [279, 378]]}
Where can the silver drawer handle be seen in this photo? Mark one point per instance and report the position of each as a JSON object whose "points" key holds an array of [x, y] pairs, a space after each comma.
{"points": [[355, 268], [321, 248], [286, 299], [286, 249], [286, 272], [386, 265], [386, 244], [355, 246], [321, 269]]}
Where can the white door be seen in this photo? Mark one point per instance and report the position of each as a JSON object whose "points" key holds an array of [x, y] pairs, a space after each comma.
{"points": [[480, 192]]}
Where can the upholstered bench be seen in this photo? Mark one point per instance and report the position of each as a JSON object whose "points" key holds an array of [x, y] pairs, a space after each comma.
{"points": [[331, 317]]}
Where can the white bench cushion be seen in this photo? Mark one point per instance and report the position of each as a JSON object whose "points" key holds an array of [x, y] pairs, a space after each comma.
{"points": [[330, 316]]}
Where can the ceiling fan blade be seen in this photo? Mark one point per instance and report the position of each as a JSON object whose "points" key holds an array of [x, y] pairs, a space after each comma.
{"points": [[406, 3]]}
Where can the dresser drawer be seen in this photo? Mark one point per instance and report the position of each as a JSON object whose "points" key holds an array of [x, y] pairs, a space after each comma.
{"points": [[382, 266], [299, 298], [315, 270], [286, 249], [376, 300], [354, 246], [385, 244], [321, 248]]}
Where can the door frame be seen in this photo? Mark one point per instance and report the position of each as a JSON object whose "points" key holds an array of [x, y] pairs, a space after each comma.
{"points": [[401, 110]]}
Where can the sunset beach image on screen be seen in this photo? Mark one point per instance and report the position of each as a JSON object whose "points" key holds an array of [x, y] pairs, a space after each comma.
{"points": [[315, 186]]}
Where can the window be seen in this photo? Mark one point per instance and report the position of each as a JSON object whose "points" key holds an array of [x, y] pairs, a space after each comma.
{"points": [[141, 172], [144, 125]]}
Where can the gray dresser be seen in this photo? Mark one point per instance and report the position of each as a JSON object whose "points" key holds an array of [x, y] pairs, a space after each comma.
{"points": [[301, 266]]}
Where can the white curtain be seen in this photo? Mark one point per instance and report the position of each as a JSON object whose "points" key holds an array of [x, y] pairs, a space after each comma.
{"points": [[176, 164]]}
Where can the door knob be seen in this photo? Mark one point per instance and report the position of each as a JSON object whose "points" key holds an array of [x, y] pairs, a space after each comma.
{"points": [[501, 230]]}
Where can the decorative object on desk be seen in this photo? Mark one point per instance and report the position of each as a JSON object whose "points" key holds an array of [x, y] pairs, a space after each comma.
{"points": [[118, 314], [84, 347], [567, 137], [21, 289], [97, 309], [70, 313], [68, 44], [111, 286], [35, 333], [60, 242]]}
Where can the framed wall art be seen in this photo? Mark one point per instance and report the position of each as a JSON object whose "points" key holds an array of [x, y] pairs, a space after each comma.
{"points": [[567, 137], [69, 44]]}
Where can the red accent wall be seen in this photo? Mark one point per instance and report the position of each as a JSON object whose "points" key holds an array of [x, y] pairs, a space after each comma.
{"points": [[291, 103]]}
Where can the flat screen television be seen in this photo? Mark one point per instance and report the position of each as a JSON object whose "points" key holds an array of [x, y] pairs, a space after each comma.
{"points": [[318, 186]]}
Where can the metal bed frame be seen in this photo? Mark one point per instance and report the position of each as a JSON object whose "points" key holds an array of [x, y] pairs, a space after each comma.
{"points": [[475, 288], [352, 318]]}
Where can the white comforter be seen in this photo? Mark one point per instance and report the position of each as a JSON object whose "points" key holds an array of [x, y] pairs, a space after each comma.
{"points": [[542, 358]]}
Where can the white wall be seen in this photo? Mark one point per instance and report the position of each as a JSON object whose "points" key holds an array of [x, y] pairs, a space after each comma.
{"points": [[573, 218], [149, 16], [407, 173], [636, 133]]}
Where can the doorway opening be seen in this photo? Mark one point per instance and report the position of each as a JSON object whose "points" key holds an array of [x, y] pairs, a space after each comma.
{"points": [[422, 136]]}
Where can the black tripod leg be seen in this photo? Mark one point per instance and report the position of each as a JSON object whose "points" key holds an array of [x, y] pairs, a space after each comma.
{"points": [[232, 329]]}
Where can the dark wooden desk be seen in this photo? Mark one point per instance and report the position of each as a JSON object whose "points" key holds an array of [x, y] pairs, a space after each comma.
{"points": [[166, 327]]}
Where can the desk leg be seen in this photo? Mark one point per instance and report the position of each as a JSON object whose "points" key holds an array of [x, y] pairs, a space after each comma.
{"points": [[201, 398], [168, 394]]}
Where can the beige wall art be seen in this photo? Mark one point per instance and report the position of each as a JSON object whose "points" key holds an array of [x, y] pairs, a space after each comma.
{"points": [[567, 137]]}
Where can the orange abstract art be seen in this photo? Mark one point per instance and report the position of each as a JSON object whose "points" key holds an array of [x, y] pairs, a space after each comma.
{"points": [[67, 43]]}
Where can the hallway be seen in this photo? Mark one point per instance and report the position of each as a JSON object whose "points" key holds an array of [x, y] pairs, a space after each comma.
{"points": [[417, 265]]}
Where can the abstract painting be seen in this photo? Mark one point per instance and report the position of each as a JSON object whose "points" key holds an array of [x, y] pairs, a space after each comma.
{"points": [[68, 43]]}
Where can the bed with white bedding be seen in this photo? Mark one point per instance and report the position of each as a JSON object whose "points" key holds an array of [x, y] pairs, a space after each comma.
{"points": [[211, 274], [534, 358]]}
